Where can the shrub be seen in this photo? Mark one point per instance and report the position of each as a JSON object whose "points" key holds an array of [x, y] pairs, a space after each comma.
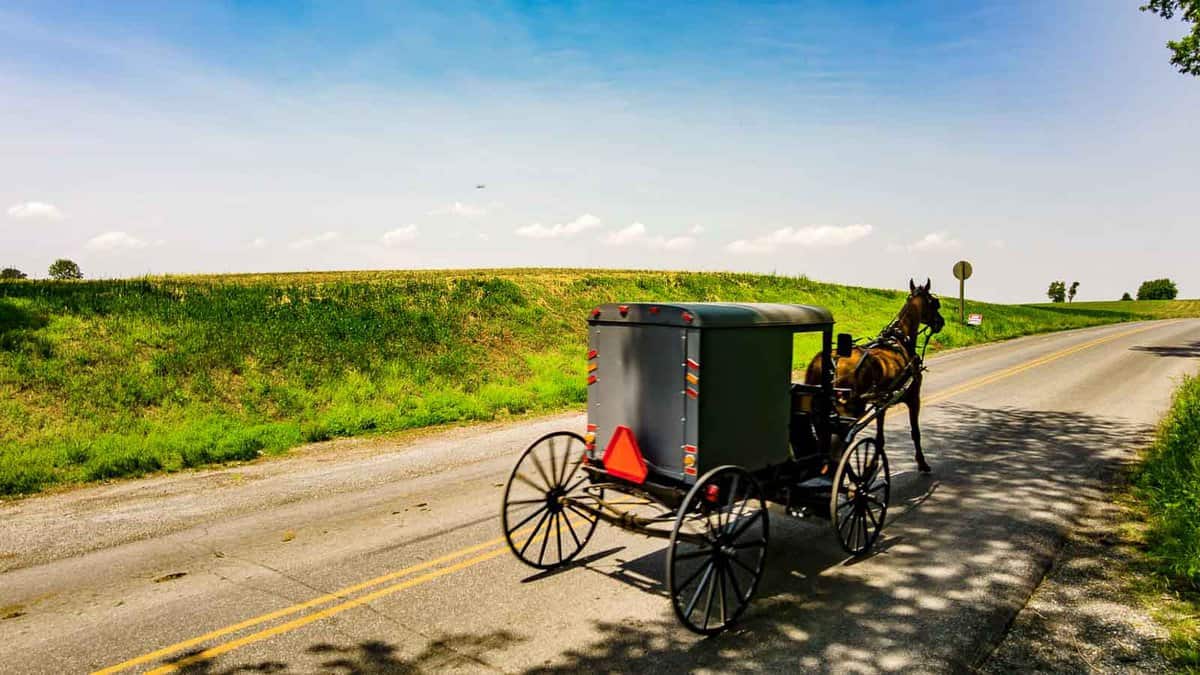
{"points": [[1157, 289]]}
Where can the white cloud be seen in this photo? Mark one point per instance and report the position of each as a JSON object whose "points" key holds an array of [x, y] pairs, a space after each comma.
{"points": [[460, 209], [323, 238], [400, 235], [636, 234], [35, 211], [812, 235], [258, 242], [934, 241], [696, 229], [112, 241], [996, 243], [538, 231]]}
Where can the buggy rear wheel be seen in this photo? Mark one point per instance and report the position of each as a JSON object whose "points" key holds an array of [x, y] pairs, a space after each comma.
{"points": [[859, 499], [718, 549], [539, 495]]}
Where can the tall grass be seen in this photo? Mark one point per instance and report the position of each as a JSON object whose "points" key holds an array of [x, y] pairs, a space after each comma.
{"points": [[101, 379], [1167, 486]]}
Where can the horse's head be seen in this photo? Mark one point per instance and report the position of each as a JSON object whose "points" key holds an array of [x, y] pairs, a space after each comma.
{"points": [[927, 306]]}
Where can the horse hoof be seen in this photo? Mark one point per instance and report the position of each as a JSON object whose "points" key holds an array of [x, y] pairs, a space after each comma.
{"points": [[925, 468]]}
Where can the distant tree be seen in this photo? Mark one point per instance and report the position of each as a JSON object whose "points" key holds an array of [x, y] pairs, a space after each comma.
{"points": [[1057, 291], [1072, 290], [1126, 296], [1185, 52], [12, 273], [1157, 289], [65, 269]]}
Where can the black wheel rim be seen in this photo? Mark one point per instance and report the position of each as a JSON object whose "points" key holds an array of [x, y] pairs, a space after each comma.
{"points": [[541, 525], [858, 505], [717, 550]]}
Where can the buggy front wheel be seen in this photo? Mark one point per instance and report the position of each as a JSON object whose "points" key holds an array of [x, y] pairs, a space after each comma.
{"points": [[539, 495], [718, 549], [858, 502]]}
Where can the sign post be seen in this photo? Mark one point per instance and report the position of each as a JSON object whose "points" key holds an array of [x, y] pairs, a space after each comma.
{"points": [[962, 272]]}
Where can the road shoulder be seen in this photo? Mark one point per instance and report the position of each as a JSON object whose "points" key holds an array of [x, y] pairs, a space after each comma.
{"points": [[1086, 615]]}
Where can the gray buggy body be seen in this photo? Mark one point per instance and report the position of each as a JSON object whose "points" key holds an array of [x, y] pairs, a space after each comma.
{"points": [[700, 385]]}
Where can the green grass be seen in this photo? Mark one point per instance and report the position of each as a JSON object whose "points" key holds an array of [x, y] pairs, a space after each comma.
{"points": [[1167, 490], [1158, 309], [104, 379]]}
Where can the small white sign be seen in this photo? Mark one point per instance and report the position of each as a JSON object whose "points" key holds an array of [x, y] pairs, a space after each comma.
{"points": [[975, 320]]}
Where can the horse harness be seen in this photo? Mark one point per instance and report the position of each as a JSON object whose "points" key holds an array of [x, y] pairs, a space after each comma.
{"points": [[892, 338]]}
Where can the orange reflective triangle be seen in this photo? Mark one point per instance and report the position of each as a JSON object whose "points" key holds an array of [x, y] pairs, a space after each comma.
{"points": [[623, 458]]}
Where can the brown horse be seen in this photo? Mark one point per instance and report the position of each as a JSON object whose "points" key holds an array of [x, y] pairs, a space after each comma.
{"points": [[877, 370]]}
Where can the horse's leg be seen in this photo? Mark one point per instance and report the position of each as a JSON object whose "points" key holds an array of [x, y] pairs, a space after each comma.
{"points": [[913, 400]]}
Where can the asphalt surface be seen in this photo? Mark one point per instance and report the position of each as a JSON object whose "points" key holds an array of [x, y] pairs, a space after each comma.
{"points": [[368, 556]]}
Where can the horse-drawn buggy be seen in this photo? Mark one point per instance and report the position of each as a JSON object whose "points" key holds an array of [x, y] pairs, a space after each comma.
{"points": [[694, 425]]}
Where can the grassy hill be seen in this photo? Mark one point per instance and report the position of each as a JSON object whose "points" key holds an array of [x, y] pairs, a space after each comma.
{"points": [[100, 379]]}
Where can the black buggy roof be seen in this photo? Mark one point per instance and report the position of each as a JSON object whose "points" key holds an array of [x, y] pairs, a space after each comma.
{"points": [[714, 315]]}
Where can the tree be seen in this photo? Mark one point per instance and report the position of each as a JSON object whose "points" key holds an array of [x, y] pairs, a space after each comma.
{"points": [[1157, 289], [1126, 296], [1057, 292], [1071, 292], [12, 273], [1185, 52], [65, 269]]}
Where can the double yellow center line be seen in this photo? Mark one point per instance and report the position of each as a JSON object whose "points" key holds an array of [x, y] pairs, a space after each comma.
{"points": [[439, 567]]}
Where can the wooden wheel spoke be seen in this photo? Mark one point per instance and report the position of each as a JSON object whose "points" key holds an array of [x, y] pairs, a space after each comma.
{"points": [[733, 582], [528, 518], [545, 541], [528, 481], [536, 528], [522, 502], [591, 518], [721, 593], [558, 532], [874, 521], [571, 529], [744, 566], [691, 578], [574, 485], [553, 461], [745, 524], [708, 601], [877, 487], [566, 461], [691, 606], [537, 463], [733, 495]]}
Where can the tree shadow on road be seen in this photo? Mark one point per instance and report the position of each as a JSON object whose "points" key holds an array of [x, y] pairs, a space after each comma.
{"points": [[375, 657], [1187, 351], [954, 568]]}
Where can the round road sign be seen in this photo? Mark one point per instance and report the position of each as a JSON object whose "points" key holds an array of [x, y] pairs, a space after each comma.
{"points": [[962, 270]]}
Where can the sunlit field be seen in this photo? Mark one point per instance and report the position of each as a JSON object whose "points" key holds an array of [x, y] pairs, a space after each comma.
{"points": [[103, 379]]}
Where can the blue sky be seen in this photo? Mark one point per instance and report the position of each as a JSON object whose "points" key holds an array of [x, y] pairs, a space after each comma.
{"points": [[861, 142]]}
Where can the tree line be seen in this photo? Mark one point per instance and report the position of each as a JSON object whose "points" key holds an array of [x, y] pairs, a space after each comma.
{"points": [[1154, 289], [60, 269]]}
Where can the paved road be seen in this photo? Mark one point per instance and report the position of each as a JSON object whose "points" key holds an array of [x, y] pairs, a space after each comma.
{"points": [[369, 557]]}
